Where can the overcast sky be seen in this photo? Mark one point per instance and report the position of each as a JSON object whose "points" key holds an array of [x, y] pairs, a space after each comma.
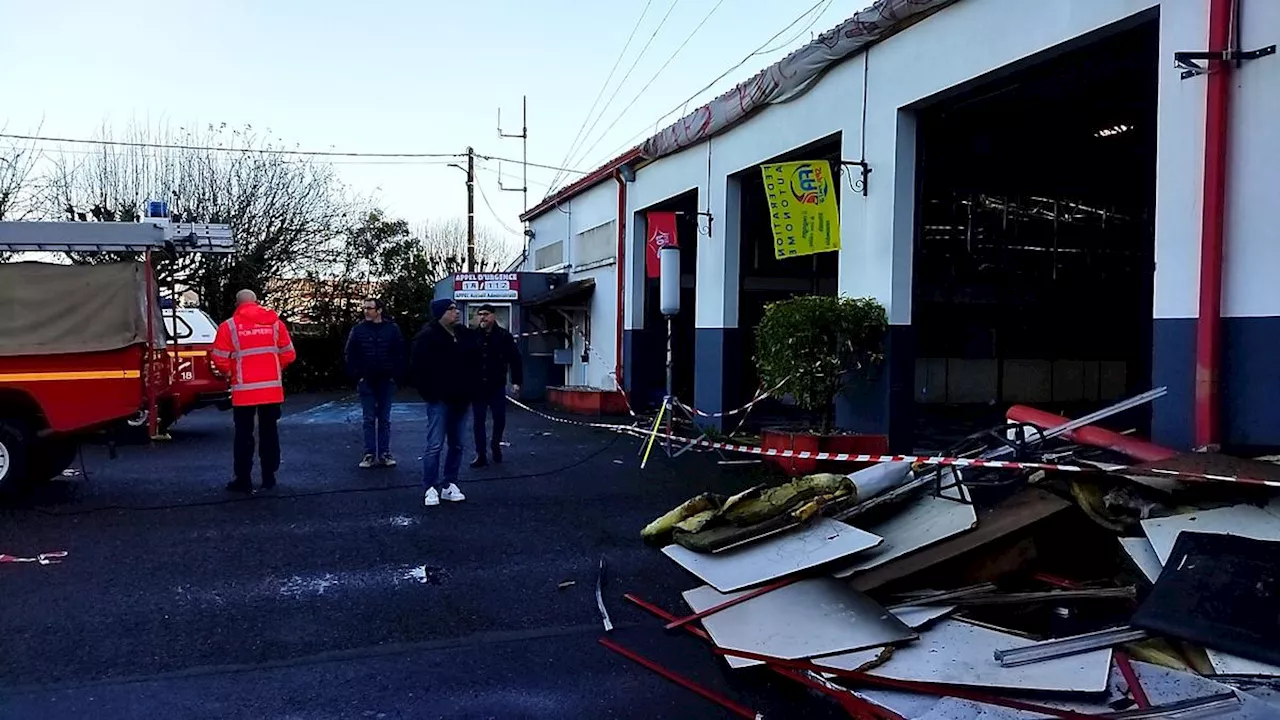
{"points": [[389, 76]]}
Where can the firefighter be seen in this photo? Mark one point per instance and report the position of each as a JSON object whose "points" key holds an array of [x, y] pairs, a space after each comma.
{"points": [[253, 348]]}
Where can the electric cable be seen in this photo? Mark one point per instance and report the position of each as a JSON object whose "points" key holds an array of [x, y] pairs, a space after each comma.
{"points": [[605, 86], [618, 88], [639, 135], [323, 493], [653, 79], [278, 151], [494, 213]]}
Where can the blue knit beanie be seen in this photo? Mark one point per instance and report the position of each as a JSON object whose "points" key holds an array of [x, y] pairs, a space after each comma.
{"points": [[440, 307]]}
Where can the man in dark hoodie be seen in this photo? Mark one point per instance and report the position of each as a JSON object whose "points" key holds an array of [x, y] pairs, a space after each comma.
{"points": [[498, 355], [442, 364], [375, 360]]}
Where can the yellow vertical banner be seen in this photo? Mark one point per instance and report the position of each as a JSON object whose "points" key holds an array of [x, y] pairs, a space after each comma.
{"points": [[802, 206]]}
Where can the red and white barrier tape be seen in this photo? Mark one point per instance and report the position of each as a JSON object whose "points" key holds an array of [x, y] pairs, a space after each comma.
{"points": [[760, 396], [49, 558], [875, 459]]}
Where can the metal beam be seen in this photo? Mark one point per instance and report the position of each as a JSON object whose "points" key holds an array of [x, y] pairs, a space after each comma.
{"points": [[17, 236]]}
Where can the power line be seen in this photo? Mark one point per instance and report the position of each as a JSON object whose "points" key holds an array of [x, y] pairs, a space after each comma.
{"points": [[801, 31], [622, 53], [652, 36], [275, 151], [722, 76], [494, 213], [653, 79]]}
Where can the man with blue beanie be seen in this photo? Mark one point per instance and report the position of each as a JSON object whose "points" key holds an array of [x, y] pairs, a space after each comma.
{"points": [[442, 363]]}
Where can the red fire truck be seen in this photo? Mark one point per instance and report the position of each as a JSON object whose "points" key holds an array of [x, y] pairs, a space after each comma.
{"points": [[83, 347]]}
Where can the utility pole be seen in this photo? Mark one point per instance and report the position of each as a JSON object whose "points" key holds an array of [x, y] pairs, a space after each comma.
{"points": [[524, 141], [471, 209]]}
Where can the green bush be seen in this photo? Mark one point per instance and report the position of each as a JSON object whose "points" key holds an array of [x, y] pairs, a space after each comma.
{"points": [[813, 345]]}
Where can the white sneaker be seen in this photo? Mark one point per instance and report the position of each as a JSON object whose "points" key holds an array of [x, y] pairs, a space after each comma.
{"points": [[432, 498], [388, 461], [453, 494], [366, 462]]}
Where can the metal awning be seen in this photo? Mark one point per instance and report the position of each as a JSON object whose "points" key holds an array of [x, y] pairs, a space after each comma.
{"points": [[572, 294]]}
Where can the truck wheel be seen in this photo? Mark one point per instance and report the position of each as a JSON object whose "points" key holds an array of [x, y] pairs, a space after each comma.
{"points": [[13, 455], [50, 457]]}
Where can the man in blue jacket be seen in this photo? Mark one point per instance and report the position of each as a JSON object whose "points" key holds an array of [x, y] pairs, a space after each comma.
{"points": [[375, 360], [442, 365]]}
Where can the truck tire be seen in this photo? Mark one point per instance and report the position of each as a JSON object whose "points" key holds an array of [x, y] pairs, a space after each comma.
{"points": [[48, 458], [13, 455]]}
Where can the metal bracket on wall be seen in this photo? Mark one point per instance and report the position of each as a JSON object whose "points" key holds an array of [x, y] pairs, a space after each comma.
{"points": [[1186, 61], [858, 184]]}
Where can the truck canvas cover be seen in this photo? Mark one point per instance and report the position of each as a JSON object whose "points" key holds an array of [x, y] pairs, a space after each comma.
{"points": [[48, 309]]}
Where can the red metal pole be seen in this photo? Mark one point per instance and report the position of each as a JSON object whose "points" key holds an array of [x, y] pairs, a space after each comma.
{"points": [[684, 682], [1208, 425], [622, 274], [149, 356], [730, 603], [1089, 435]]}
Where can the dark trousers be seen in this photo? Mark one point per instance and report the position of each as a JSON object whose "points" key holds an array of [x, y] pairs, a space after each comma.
{"points": [[375, 402], [268, 442], [491, 400]]}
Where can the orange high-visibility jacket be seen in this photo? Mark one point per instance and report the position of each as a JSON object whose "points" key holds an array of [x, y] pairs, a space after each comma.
{"points": [[254, 348]]}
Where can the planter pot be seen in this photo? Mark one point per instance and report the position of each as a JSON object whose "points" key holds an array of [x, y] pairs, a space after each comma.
{"points": [[592, 402], [797, 441]]}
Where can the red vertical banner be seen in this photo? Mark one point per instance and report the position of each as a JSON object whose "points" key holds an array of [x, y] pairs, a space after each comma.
{"points": [[662, 232]]}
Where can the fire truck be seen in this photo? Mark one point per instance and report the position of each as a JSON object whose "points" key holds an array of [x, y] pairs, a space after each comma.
{"points": [[85, 347]]}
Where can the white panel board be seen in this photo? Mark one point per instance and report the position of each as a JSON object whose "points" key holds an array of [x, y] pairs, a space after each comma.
{"points": [[817, 616], [1242, 520], [957, 653], [821, 541], [1144, 556], [922, 522]]}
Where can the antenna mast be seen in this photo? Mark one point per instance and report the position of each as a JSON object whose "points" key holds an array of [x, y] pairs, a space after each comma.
{"points": [[524, 142]]}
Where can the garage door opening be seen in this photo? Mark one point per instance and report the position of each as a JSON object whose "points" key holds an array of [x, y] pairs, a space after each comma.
{"points": [[762, 277], [1033, 263]]}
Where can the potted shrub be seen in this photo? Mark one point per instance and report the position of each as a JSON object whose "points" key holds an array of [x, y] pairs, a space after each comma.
{"points": [[814, 346]]}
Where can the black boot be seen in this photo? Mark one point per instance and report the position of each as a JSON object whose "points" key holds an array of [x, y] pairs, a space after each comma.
{"points": [[497, 453], [238, 486], [479, 462]]}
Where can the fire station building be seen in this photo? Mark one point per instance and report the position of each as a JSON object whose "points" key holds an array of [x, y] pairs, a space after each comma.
{"points": [[1059, 203]]}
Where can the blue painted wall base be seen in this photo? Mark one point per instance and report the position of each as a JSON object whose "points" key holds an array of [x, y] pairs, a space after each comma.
{"points": [[883, 404], [717, 380], [1250, 381]]}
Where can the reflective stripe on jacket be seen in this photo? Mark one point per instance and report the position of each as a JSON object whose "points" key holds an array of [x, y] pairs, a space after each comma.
{"points": [[254, 348]]}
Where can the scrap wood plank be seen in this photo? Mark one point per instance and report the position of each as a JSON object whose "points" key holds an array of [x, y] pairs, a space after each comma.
{"points": [[1020, 511]]}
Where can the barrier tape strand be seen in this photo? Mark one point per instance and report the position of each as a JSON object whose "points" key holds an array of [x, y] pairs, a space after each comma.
{"points": [[880, 459]]}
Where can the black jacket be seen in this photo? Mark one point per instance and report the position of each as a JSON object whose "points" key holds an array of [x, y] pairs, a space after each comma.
{"points": [[375, 352], [442, 365], [498, 352]]}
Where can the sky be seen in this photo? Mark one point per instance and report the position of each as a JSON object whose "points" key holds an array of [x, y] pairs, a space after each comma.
{"points": [[394, 76]]}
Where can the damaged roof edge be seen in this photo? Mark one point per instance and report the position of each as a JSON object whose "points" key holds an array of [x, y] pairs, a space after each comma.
{"points": [[590, 180], [793, 75], [785, 80]]}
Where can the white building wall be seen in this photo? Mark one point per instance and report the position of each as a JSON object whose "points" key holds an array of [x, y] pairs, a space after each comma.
{"points": [[958, 46], [587, 211]]}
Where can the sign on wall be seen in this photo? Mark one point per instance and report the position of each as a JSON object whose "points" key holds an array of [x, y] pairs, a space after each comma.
{"points": [[802, 208], [486, 286], [662, 233]]}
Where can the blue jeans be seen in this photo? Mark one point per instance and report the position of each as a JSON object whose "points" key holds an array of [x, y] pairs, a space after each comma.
{"points": [[444, 423], [375, 401]]}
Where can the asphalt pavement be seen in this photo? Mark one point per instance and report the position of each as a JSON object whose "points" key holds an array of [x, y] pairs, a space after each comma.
{"points": [[341, 596]]}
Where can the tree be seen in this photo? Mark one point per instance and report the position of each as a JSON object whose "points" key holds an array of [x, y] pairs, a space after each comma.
{"points": [[408, 266], [289, 214], [17, 163]]}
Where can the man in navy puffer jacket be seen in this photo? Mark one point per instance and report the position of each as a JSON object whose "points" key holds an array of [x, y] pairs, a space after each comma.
{"points": [[375, 357]]}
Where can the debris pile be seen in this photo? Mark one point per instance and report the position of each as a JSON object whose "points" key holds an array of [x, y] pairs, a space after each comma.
{"points": [[1142, 583]]}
